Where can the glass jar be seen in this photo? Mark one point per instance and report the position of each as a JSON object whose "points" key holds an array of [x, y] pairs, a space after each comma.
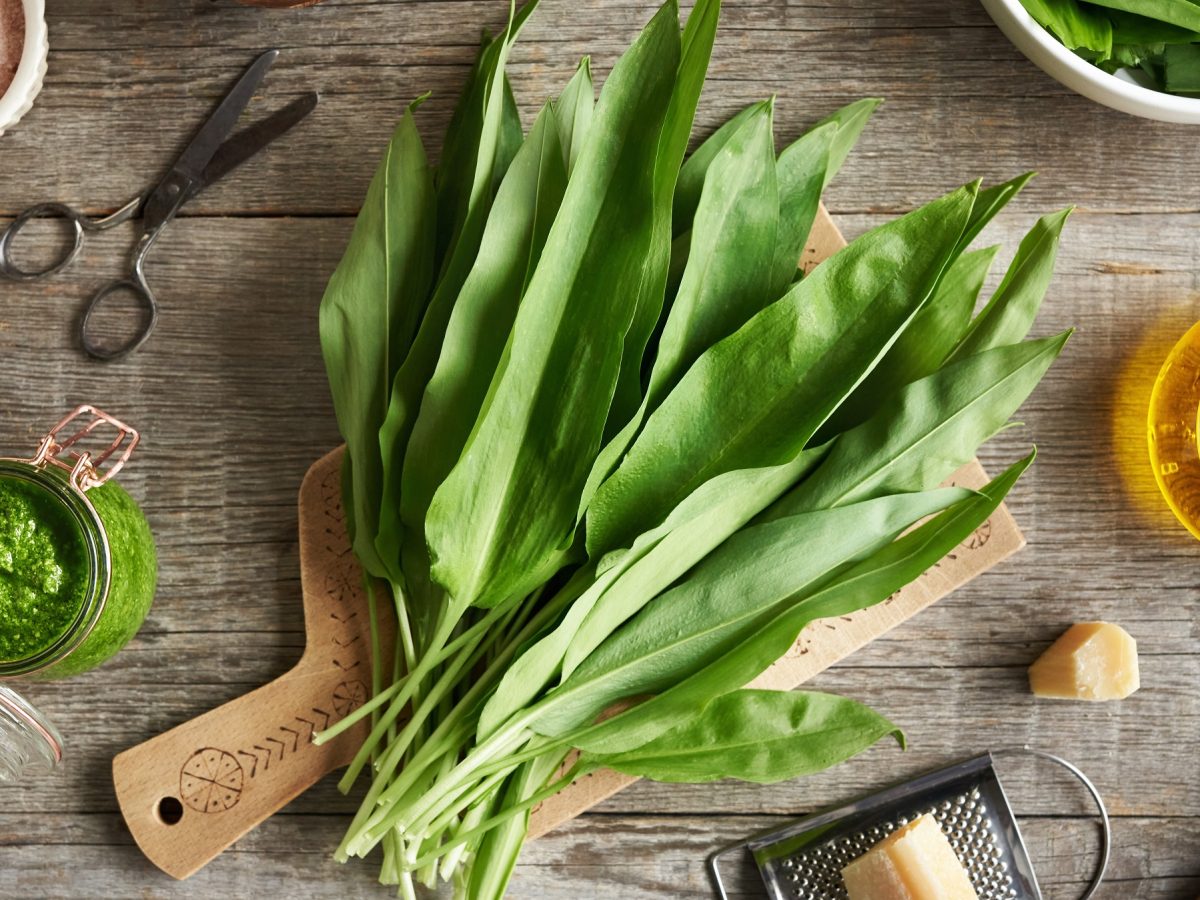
{"points": [[78, 568], [1173, 427]]}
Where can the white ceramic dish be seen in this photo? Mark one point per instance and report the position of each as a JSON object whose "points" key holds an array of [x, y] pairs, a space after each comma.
{"points": [[1119, 91], [27, 81]]}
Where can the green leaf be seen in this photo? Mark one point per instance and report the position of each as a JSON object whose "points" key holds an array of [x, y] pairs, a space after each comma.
{"points": [[368, 316], [850, 121], [697, 44], [757, 397], [479, 141], [483, 315], [716, 606], [803, 171], [629, 580], [762, 641], [1182, 64], [755, 735], [500, 522], [728, 276], [988, 205], [574, 110], [1077, 27], [922, 347], [1132, 29], [1010, 312], [690, 183], [467, 180], [1181, 13], [931, 428]]}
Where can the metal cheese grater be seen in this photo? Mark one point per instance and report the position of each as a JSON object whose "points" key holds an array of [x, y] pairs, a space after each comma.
{"points": [[804, 860]]}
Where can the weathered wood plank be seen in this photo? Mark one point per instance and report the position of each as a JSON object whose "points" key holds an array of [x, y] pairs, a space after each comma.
{"points": [[594, 856], [949, 713], [131, 81]]}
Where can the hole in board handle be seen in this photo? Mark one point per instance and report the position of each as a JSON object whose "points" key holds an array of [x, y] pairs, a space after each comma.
{"points": [[169, 810]]}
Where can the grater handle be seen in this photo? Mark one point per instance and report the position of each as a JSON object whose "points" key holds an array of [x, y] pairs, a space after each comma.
{"points": [[1106, 826], [714, 868]]}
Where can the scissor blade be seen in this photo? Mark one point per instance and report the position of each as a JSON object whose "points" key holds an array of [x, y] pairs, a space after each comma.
{"points": [[212, 134], [251, 140]]}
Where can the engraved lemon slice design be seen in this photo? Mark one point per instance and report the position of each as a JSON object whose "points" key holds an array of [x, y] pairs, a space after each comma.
{"points": [[211, 781]]}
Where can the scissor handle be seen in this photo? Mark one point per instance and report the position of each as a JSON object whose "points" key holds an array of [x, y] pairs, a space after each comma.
{"points": [[134, 284], [9, 267], [80, 225]]}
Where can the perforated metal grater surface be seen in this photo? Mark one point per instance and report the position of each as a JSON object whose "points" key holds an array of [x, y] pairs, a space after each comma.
{"points": [[804, 861]]}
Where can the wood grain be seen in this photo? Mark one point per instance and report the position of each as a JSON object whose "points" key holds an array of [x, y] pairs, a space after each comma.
{"points": [[231, 395]]}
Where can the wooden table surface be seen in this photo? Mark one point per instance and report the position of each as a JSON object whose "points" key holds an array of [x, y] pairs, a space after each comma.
{"points": [[232, 398]]}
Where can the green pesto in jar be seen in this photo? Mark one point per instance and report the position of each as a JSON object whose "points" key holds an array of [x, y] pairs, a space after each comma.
{"points": [[53, 601], [44, 569], [134, 580]]}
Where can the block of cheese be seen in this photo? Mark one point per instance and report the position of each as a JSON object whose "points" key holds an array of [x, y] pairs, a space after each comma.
{"points": [[914, 862], [1090, 661]]}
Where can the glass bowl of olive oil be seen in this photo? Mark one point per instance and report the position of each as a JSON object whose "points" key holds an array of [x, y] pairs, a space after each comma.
{"points": [[1173, 425]]}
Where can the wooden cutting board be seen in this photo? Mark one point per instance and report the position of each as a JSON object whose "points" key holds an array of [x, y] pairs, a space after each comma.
{"points": [[191, 792]]}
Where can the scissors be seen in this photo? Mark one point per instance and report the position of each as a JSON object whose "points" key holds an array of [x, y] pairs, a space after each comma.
{"points": [[211, 155]]}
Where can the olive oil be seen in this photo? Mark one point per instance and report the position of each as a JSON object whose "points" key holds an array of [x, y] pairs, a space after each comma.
{"points": [[1173, 424]]}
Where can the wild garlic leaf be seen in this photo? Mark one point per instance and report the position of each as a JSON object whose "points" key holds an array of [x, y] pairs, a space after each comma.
{"points": [[930, 429], [1181, 13], [988, 205], [1010, 312], [1182, 67], [1078, 28], [500, 522], [758, 736], [922, 347], [696, 51], [479, 140], [694, 170], [728, 276], [483, 315], [573, 111], [368, 316], [757, 397], [466, 182], [802, 170], [771, 635], [712, 513], [850, 121], [717, 605], [1132, 29]]}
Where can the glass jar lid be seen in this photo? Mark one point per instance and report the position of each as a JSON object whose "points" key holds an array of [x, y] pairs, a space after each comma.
{"points": [[29, 742]]}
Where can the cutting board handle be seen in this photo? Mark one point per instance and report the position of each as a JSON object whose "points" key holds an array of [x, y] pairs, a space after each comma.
{"points": [[191, 792]]}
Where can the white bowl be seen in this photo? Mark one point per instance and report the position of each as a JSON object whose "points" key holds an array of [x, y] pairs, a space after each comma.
{"points": [[1118, 91], [27, 81]]}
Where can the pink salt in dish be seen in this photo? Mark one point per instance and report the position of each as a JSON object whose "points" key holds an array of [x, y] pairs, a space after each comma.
{"points": [[12, 41]]}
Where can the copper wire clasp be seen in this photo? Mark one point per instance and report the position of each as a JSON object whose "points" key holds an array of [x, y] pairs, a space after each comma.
{"points": [[87, 470]]}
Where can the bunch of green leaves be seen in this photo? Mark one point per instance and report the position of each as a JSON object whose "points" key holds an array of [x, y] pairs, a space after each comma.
{"points": [[608, 452], [1159, 39]]}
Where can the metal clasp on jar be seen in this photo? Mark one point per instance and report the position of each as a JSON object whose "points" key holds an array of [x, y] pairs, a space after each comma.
{"points": [[87, 471]]}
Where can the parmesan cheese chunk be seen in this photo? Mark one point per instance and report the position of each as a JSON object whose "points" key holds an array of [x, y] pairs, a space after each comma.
{"points": [[1090, 661], [914, 862]]}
